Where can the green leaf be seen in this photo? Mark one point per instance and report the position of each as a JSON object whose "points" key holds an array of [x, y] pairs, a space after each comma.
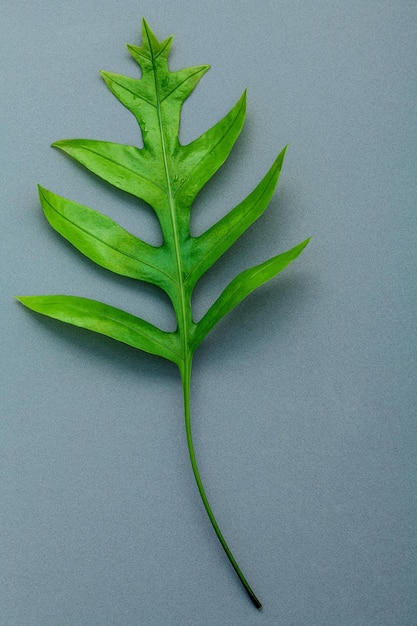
{"points": [[168, 176], [107, 320]]}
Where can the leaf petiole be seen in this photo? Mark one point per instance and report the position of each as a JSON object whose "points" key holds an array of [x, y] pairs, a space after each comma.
{"points": [[185, 370]]}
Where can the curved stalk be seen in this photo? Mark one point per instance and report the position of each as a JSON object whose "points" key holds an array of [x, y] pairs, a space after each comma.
{"points": [[183, 312], [186, 379]]}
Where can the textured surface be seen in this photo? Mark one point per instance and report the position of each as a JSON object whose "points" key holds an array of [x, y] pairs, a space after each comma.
{"points": [[305, 431]]}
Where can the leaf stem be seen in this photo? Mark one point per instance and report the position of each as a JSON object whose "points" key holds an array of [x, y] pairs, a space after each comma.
{"points": [[184, 319], [186, 379]]}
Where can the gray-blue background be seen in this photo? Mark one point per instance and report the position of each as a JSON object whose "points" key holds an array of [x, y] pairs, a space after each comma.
{"points": [[304, 397]]}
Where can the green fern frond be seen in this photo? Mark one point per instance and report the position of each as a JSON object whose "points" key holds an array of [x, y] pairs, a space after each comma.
{"points": [[168, 176]]}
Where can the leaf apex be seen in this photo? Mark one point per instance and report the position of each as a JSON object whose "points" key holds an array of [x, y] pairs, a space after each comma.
{"points": [[106, 76], [150, 41], [60, 144], [25, 300], [280, 158], [132, 49], [65, 145], [146, 29], [300, 247], [145, 23], [44, 196]]}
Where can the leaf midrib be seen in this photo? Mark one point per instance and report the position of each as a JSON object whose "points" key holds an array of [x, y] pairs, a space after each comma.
{"points": [[182, 322]]}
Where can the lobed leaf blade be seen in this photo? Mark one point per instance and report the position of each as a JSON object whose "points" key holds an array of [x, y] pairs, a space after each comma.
{"points": [[107, 320], [134, 93], [208, 247], [242, 286], [126, 167], [105, 242], [201, 158], [180, 84]]}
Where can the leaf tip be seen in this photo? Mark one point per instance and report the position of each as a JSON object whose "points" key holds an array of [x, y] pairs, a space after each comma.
{"points": [[106, 76], [280, 158], [132, 49], [65, 145], [304, 244], [23, 300], [146, 29], [150, 41], [41, 190], [44, 196]]}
